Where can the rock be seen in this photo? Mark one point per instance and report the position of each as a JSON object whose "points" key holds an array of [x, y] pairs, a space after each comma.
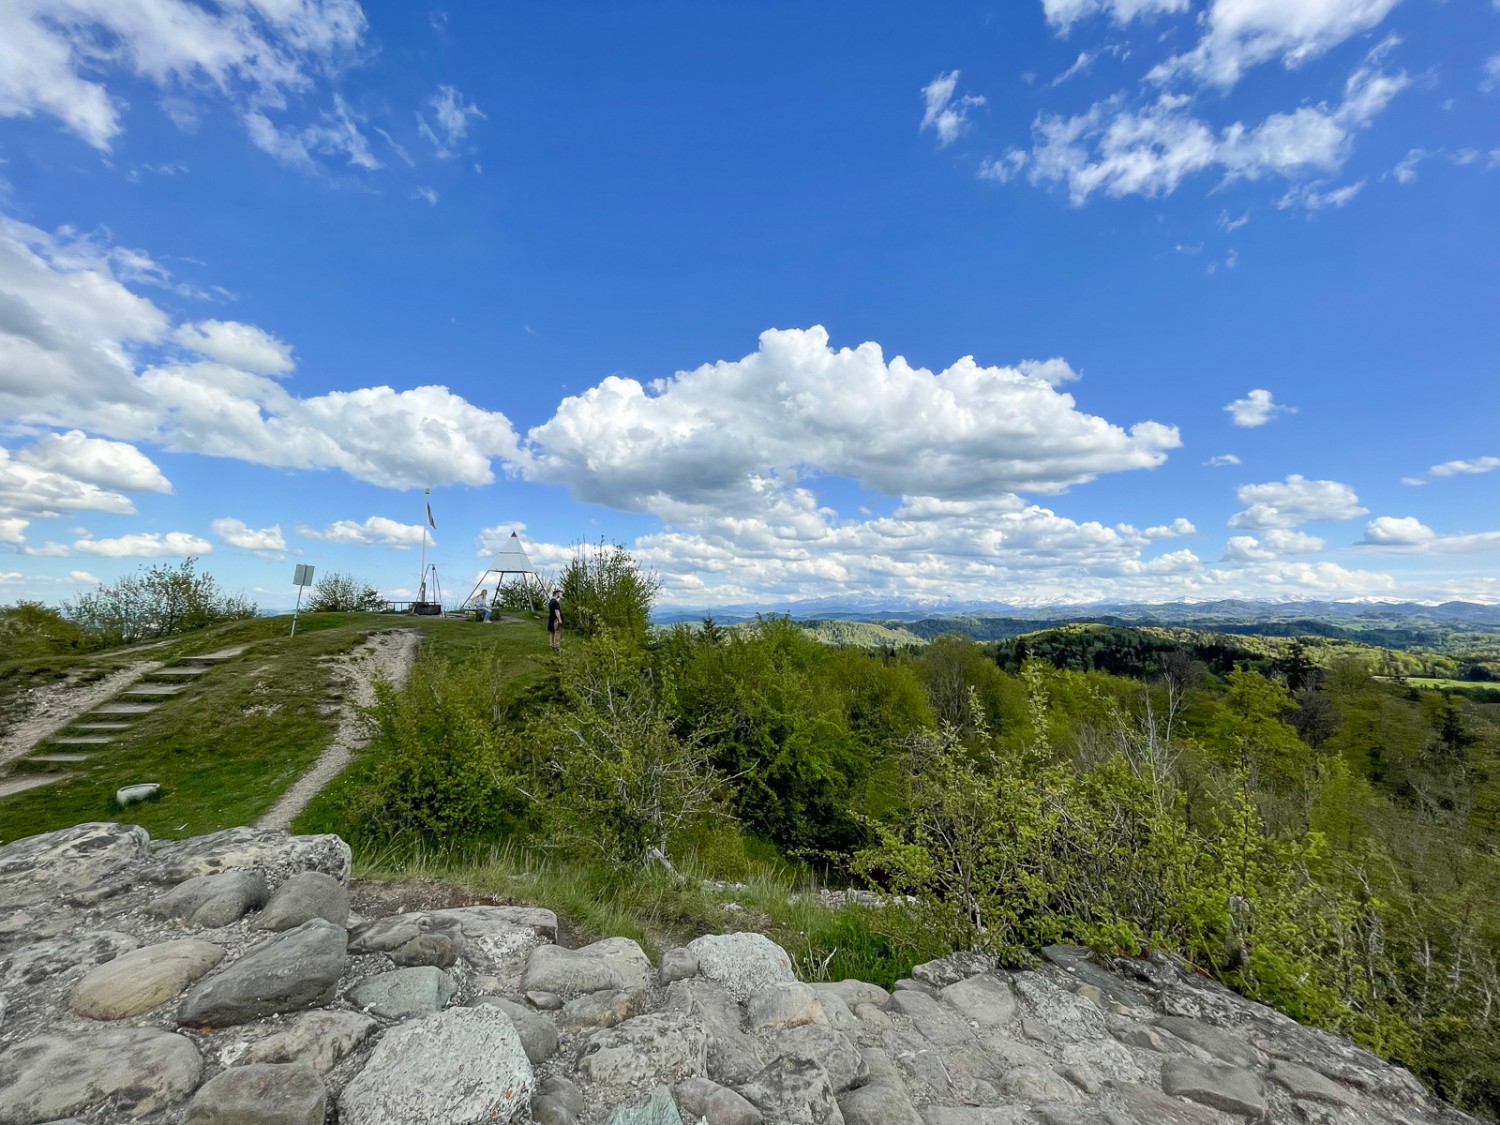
{"points": [[953, 968], [784, 1004], [906, 984], [872, 1020], [320, 1039], [439, 950], [275, 854], [386, 935], [568, 972], [883, 1099], [660, 1110], [794, 1092], [563, 1091], [298, 969], [1305, 1083], [741, 964], [1148, 1039], [40, 869], [404, 993], [1223, 1045], [132, 794], [260, 1094], [678, 964], [830, 1049], [136, 1070], [212, 901], [138, 981], [628, 959], [461, 1066], [985, 1001], [856, 992], [1141, 1105], [836, 1010], [1230, 1088], [733, 1056], [537, 1032], [1034, 1085], [704, 1099], [303, 897], [548, 1111], [658, 1047], [495, 940], [935, 1022], [601, 1009], [64, 957]]}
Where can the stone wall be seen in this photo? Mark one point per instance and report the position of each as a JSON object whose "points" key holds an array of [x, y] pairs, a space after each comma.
{"points": [[223, 981]]}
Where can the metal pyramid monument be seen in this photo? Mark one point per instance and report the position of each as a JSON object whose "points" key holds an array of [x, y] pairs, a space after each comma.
{"points": [[512, 558]]}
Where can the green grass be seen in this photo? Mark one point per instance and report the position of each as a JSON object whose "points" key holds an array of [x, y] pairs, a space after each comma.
{"points": [[231, 744]]}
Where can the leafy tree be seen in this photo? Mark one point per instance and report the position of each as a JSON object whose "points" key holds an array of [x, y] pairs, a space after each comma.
{"points": [[339, 592], [603, 588], [158, 601]]}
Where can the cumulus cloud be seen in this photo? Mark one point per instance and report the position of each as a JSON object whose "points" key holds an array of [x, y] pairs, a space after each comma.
{"points": [[1063, 14], [1241, 34], [56, 57], [1409, 534], [739, 435], [377, 531], [28, 490], [1177, 527], [948, 116], [1221, 460], [1473, 465], [1284, 505], [1149, 151], [238, 345], [237, 533], [1275, 543], [1256, 409], [71, 332], [146, 545], [445, 125], [110, 464]]}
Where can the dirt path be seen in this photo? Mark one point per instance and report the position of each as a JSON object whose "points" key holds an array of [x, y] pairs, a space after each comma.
{"points": [[384, 655], [45, 710]]}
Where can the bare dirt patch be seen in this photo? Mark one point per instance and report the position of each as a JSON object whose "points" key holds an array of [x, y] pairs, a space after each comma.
{"points": [[385, 655], [39, 712]]}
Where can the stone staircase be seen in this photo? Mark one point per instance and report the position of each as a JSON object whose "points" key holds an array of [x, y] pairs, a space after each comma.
{"points": [[95, 731]]}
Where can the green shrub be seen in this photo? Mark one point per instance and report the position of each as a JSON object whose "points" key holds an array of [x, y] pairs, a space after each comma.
{"points": [[338, 592], [156, 601]]}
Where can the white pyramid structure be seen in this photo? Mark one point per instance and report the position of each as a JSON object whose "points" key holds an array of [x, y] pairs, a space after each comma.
{"points": [[511, 559]]}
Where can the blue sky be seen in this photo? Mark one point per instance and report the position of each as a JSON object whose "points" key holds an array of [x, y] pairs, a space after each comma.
{"points": [[1044, 301]]}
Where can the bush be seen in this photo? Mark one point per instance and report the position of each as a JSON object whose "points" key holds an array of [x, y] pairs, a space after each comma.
{"points": [[337, 592], [158, 601], [31, 629], [604, 589]]}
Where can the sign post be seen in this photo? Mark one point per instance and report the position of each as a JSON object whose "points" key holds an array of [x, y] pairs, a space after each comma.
{"points": [[301, 578]]}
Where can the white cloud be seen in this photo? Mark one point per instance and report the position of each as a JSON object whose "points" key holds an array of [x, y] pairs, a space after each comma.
{"points": [[741, 435], [37, 492], [70, 334], [1222, 459], [1406, 170], [1151, 150], [427, 195], [335, 133], [1473, 465], [110, 464], [1256, 409], [1062, 14], [1311, 198], [146, 545], [1491, 79], [56, 56], [1005, 168], [1177, 527], [239, 534], [1241, 34], [239, 345], [377, 531], [1229, 225], [1275, 543], [1408, 534], [449, 125], [949, 117], [84, 577], [13, 530], [1296, 501]]}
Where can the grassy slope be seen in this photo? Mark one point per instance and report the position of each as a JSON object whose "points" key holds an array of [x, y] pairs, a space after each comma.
{"points": [[228, 747]]}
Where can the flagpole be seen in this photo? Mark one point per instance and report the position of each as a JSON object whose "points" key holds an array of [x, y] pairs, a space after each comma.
{"points": [[422, 578]]}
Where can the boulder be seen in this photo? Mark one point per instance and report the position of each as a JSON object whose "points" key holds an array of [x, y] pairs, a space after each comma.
{"points": [[1230, 1088], [63, 957], [135, 1070], [660, 1110], [601, 1009], [882, 1100], [1223, 1045], [298, 969], [275, 854], [1307, 1084], [794, 1092], [538, 1033], [936, 1022], [705, 1100], [461, 1066], [627, 958], [678, 964], [733, 1055], [212, 901], [40, 869], [658, 1047], [856, 992], [439, 950], [404, 993], [836, 1011], [138, 981], [784, 1004], [830, 1049], [303, 897], [320, 1039], [741, 964], [568, 972], [953, 968], [260, 1094], [982, 1001]]}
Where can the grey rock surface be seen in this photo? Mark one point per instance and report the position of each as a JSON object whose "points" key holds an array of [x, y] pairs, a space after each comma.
{"points": [[830, 1049], [594, 1010], [212, 901], [660, 1109], [321, 1039], [139, 980], [795, 1091], [260, 1094], [741, 964], [303, 897], [403, 993], [568, 972], [298, 969], [538, 1034], [704, 1099], [678, 964], [135, 1070], [784, 1004], [732, 1055], [461, 1066], [39, 869], [275, 854], [1230, 1088], [657, 1047]]}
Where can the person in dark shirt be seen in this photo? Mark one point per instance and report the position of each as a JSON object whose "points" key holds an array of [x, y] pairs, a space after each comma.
{"points": [[554, 619]]}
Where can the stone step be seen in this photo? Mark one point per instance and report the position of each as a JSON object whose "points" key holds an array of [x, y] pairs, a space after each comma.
{"points": [[155, 689], [65, 757], [214, 657], [99, 726], [9, 786], [174, 673], [81, 740], [126, 708]]}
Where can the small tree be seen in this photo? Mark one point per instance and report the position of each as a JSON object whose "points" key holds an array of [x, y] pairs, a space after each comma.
{"points": [[157, 602], [337, 592], [605, 589]]}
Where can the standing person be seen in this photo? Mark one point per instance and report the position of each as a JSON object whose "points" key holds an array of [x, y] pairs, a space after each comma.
{"points": [[554, 618], [482, 606]]}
